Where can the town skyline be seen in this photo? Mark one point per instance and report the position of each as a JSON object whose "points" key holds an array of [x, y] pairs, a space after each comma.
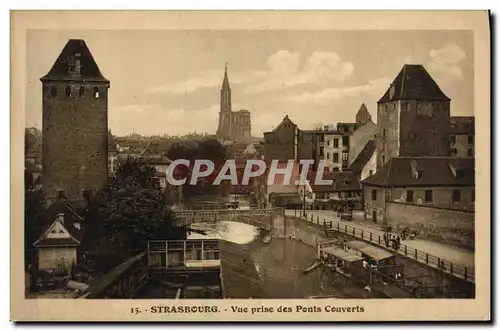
{"points": [[299, 74]]}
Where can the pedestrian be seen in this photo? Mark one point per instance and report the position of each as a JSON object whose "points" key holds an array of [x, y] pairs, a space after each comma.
{"points": [[398, 242]]}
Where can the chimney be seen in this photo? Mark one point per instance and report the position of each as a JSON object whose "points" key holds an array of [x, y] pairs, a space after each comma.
{"points": [[60, 218]]}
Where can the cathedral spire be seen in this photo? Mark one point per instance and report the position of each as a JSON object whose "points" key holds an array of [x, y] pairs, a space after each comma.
{"points": [[225, 82]]}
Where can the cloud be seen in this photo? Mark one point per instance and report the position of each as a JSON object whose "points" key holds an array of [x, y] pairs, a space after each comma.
{"points": [[445, 62], [329, 95], [287, 69]]}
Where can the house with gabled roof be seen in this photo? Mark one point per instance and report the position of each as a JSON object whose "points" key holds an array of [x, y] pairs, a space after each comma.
{"points": [[434, 182], [62, 234]]}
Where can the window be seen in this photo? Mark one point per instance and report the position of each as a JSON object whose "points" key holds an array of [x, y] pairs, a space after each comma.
{"points": [[96, 92], [384, 132], [68, 91], [335, 169], [429, 196], [374, 195], [455, 195], [328, 142], [473, 196], [335, 157], [345, 156], [453, 140], [383, 158], [336, 143], [419, 174], [321, 151], [409, 196], [321, 138], [470, 152], [82, 91], [53, 91], [470, 140], [370, 173], [60, 194], [327, 155], [345, 141]]}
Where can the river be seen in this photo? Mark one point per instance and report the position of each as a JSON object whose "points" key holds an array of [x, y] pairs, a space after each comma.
{"points": [[254, 267]]}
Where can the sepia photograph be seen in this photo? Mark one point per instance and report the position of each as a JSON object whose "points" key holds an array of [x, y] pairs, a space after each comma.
{"points": [[333, 168]]}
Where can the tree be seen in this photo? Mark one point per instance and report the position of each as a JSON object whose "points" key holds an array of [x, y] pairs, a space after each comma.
{"points": [[131, 210], [33, 207]]}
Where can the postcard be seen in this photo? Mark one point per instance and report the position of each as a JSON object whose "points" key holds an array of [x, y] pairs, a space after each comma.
{"points": [[250, 166]]}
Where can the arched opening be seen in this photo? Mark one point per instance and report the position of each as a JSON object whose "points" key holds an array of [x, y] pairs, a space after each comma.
{"points": [[68, 91], [53, 91], [96, 92], [82, 91]]}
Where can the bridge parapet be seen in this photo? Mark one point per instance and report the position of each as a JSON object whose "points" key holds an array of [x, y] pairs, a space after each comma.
{"points": [[187, 217]]}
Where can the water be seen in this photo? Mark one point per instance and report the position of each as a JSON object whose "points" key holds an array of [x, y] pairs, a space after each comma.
{"points": [[238, 233], [254, 268]]}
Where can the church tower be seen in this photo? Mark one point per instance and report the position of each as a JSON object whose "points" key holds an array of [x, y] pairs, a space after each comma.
{"points": [[75, 125], [224, 130]]}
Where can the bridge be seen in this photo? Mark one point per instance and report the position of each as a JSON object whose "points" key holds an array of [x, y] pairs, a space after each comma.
{"points": [[268, 219]]}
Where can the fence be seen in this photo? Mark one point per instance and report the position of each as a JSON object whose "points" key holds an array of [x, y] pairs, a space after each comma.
{"points": [[415, 254]]}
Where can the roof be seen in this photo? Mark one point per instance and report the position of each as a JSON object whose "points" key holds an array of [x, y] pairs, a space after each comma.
{"points": [[370, 250], [434, 171], [342, 181], [225, 81], [286, 120], [347, 127], [462, 125], [52, 242], [49, 217], [363, 111], [89, 71], [414, 83], [340, 253], [363, 157]]}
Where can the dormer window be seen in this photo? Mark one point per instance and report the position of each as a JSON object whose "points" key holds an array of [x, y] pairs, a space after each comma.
{"points": [[75, 64]]}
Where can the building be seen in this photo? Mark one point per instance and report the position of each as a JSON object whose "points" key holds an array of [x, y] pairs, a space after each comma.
{"points": [[363, 115], [365, 164], [161, 164], [359, 138], [462, 132], [413, 117], [345, 188], [75, 124], [437, 182], [57, 247], [233, 125]]}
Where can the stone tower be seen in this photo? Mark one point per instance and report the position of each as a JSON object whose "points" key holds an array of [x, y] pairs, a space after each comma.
{"points": [[413, 117], [75, 124], [224, 130], [363, 116]]}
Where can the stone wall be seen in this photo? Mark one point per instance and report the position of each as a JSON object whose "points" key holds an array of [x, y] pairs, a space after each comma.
{"points": [[444, 225]]}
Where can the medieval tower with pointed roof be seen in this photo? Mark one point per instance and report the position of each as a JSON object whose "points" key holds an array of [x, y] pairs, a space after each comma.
{"points": [[413, 117], [75, 125], [363, 116], [233, 125]]}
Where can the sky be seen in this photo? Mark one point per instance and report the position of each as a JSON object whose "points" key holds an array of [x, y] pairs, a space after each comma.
{"points": [[168, 82]]}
